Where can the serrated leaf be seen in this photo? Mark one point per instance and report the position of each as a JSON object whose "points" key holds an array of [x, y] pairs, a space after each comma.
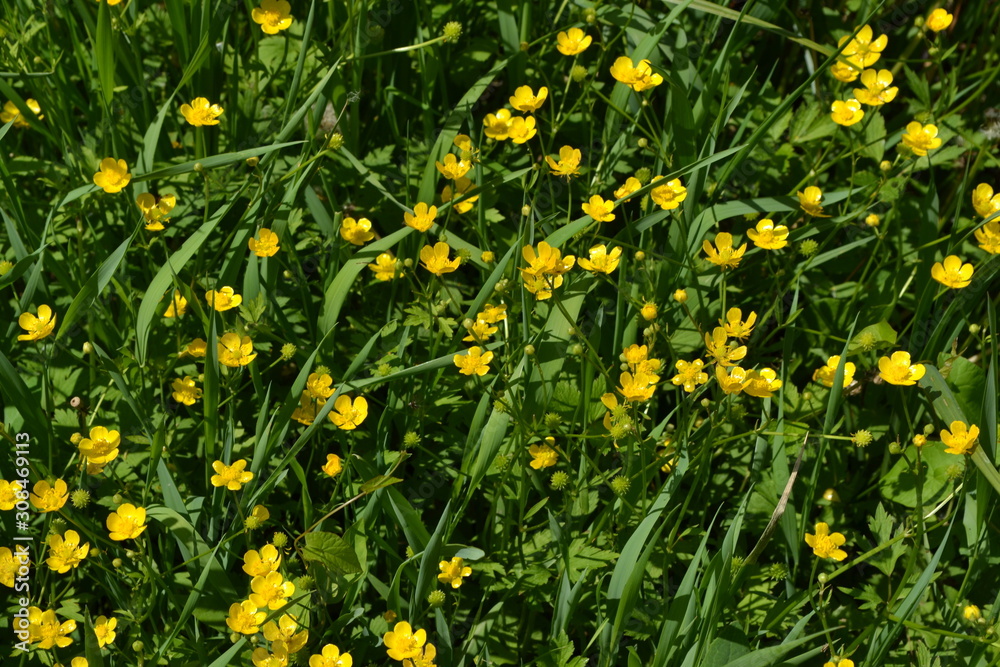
{"points": [[332, 551]]}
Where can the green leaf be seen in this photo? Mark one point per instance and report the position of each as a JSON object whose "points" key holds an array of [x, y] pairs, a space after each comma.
{"points": [[332, 551], [874, 137], [105, 53], [379, 482], [94, 285], [873, 337], [900, 483]]}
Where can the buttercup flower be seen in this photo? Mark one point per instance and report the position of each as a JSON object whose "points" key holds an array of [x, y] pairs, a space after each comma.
{"points": [[961, 439], [196, 348], [600, 260], [45, 629], [178, 306], [358, 232], [809, 201], [286, 631], [273, 16], [104, 629], [525, 100], [462, 186], [846, 113], [723, 254], [878, 88], [826, 544], [271, 591], [113, 175], [233, 477], [10, 112], [543, 455], [101, 448], [319, 386], [631, 185], [899, 370], [846, 70], [422, 217], [568, 164], [347, 415], [453, 571], [522, 129], [37, 326], [306, 411], [733, 380], [984, 201], [9, 495], [223, 299], [234, 351], [826, 374], [127, 522], [276, 657], [453, 168], [762, 383], [185, 391], [572, 42], [435, 259], [637, 77], [244, 617], [156, 212], [690, 374], [734, 325], [497, 126], [65, 551], [201, 112], [265, 244], [921, 138], [989, 237], [402, 642], [384, 266], [768, 236], [862, 48], [724, 353], [637, 388], [473, 362], [331, 656], [258, 563], [49, 497], [938, 20], [953, 273], [333, 465], [599, 210], [668, 195]]}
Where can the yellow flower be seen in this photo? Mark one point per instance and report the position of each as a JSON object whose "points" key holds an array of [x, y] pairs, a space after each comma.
{"points": [[826, 374], [178, 306], [497, 126], [668, 195], [543, 455], [961, 439], [127, 522], [358, 232], [953, 273], [333, 465], [402, 642], [232, 477], [273, 16], [971, 613], [762, 383], [243, 616], [331, 656], [435, 259], [631, 185], [155, 212], [938, 20], [525, 100], [38, 327], [474, 362], [346, 415], [271, 591], [185, 391], [734, 325], [723, 254], [384, 266], [201, 112], [599, 210], [45, 629], [101, 448], [423, 215], [493, 314], [113, 175], [258, 563], [522, 129], [65, 551], [989, 237], [637, 77], [306, 412], [196, 348], [285, 631], [878, 88], [223, 299], [768, 236], [569, 162], [648, 311], [845, 71], [277, 657], [9, 492], [984, 201], [104, 628], [49, 497], [689, 374], [637, 388], [846, 113], [462, 186], [453, 571], [734, 381], [921, 138], [572, 42], [480, 331], [601, 261], [899, 370], [547, 260], [842, 663], [318, 386], [10, 112], [724, 353], [826, 544], [265, 244], [862, 48], [452, 168], [809, 200], [680, 296], [234, 351]]}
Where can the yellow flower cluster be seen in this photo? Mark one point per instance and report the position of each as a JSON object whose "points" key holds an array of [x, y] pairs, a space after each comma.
{"points": [[546, 267], [347, 413], [410, 647]]}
